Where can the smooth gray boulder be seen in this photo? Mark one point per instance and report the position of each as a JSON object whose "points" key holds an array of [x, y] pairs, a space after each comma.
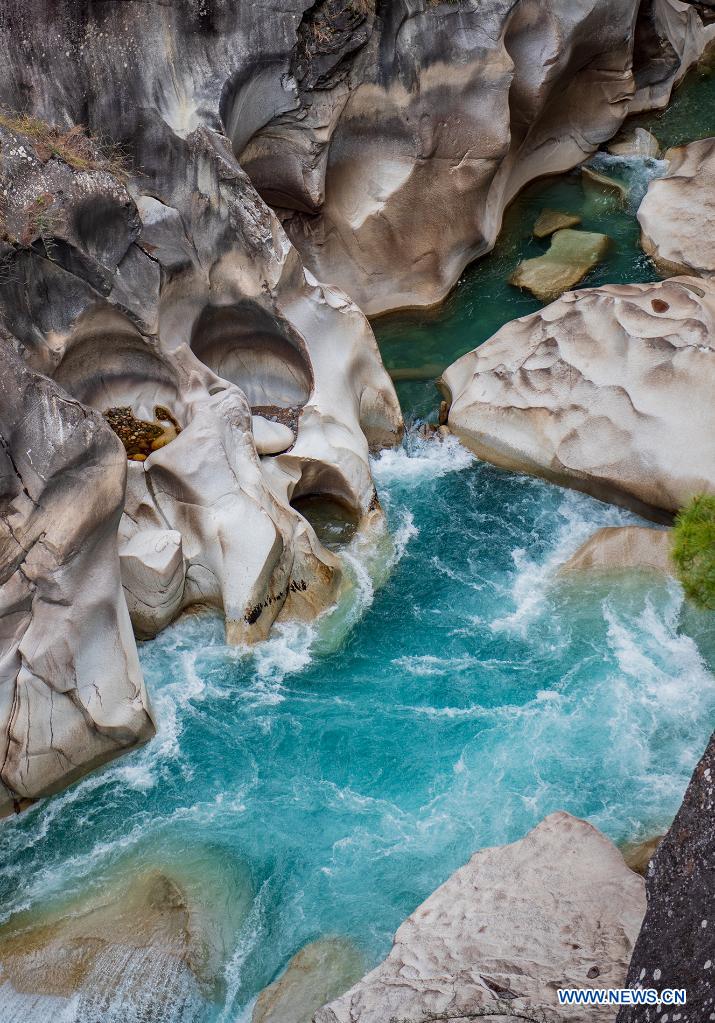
{"points": [[71, 690], [557, 909], [608, 390]]}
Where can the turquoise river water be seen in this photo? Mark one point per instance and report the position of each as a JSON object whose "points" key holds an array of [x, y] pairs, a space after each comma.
{"points": [[326, 782]]}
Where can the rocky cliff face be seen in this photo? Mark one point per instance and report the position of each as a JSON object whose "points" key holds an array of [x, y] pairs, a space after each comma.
{"points": [[404, 129]]}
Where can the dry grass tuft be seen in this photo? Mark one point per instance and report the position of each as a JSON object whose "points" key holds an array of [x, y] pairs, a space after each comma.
{"points": [[75, 147]]}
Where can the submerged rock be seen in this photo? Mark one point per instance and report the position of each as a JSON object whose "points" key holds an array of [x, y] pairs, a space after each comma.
{"points": [[604, 182], [637, 142], [72, 690], [571, 256], [152, 944], [677, 216], [638, 855], [607, 390], [676, 945], [623, 548], [550, 221], [321, 971], [559, 908]]}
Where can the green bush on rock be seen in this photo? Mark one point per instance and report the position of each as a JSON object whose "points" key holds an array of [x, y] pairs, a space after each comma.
{"points": [[694, 550]]}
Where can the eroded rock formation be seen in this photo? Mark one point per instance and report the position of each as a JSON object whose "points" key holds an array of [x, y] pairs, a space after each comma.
{"points": [[384, 104], [71, 690], [135, 328], [607, 390], [676, 945], [677, 216], [559, 908], [155, 287]]}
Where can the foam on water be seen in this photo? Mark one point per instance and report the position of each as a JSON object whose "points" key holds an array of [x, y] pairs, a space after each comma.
{"points": [[635, 172]]}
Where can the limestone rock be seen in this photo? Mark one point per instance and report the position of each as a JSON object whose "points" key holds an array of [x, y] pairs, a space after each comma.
{"points": [[153, 576], [71, 690], [320, 972], [550, 221], [636, 142], [677, 216], [559, 908], [676, 945], [623, 548], [571, 256], [607, 390]]}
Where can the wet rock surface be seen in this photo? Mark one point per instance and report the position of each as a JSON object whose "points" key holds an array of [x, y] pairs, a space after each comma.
{"points": [[559, 908], [623, 549], [676, 945], [321, 971], [150, 944], [571, 256]]}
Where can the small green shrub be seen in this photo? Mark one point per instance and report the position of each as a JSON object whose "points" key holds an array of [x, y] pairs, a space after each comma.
{"points": [[694, 550]]}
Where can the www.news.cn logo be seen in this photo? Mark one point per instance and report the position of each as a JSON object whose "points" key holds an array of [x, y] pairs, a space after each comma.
{"points": [[622, 996]]}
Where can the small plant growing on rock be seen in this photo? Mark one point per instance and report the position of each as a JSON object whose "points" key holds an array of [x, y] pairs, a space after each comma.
{"points": [[694, 550], [74, 146]]}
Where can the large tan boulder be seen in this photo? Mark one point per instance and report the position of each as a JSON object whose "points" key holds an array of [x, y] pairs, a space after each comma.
{"points": [[623, 548], [557, 909], [677, 216], [608, 390]]}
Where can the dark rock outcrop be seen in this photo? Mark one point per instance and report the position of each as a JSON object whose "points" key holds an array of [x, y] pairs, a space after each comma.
{"points": [[676, 945]]}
